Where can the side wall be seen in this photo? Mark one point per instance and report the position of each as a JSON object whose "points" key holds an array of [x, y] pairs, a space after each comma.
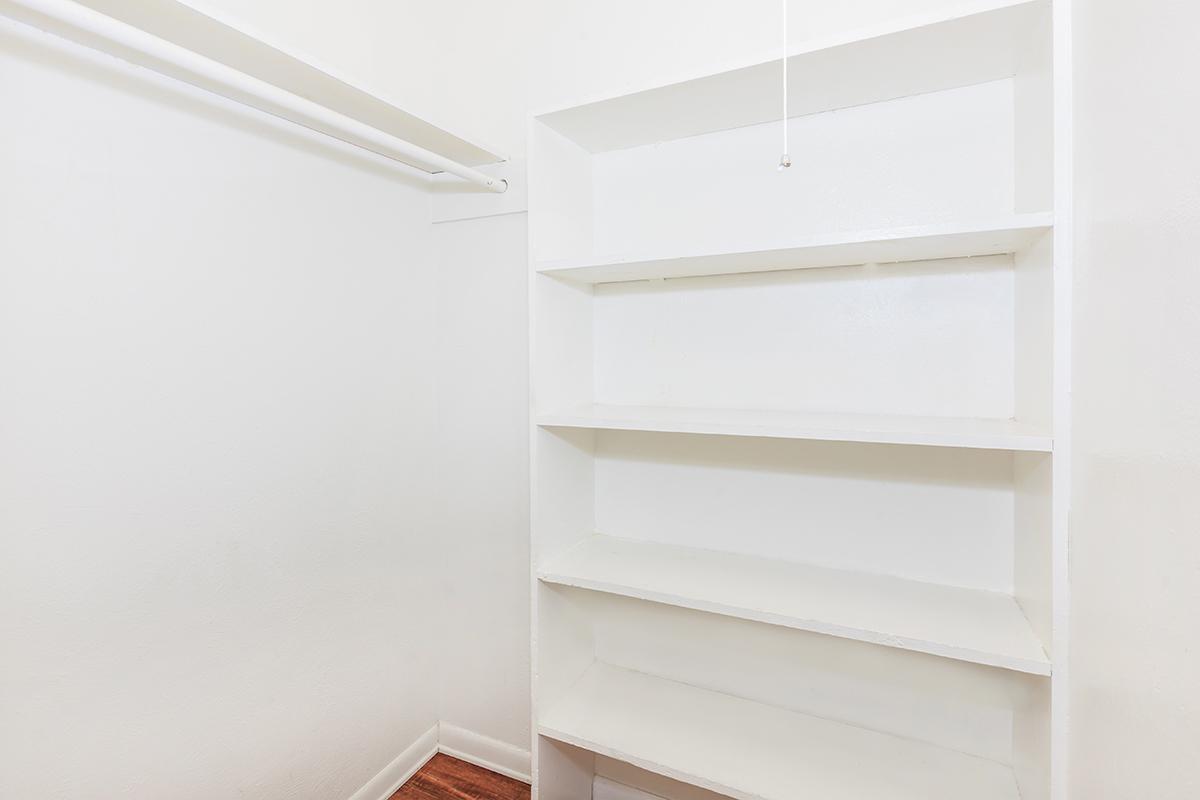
{"points": [[483, 407], [1135, 547], [217, 421]]}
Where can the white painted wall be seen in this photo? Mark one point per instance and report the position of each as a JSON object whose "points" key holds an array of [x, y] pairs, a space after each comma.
{"points": [[217, 420], [483, 407], [1135, 550]]}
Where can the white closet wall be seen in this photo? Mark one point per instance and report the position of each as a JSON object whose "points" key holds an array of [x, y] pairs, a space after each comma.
{"points": [[217, 415], [1135, 555], [483, 517]]}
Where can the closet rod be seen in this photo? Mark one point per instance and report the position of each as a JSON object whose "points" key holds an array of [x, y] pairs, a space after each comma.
{"points": [[99, 31]]}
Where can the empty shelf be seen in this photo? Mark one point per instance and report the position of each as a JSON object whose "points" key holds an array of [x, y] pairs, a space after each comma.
{"points": [[964, 624], [971, 43], [988, 434], [923, 243], [753, 751]]}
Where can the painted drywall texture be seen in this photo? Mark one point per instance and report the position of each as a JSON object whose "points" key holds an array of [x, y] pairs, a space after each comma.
{"points": [[480, 473], [1135, 553], [217, 411], [483, 438]]}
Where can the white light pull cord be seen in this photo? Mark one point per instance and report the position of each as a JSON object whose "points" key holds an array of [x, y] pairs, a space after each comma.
{"points": [[785, 160]]}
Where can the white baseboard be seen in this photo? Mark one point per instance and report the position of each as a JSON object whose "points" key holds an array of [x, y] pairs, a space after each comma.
{"points": [[484, 751], [474, 748], [405, 765], [604, 789]]}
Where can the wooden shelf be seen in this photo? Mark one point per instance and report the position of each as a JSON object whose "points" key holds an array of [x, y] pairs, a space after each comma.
{"points": [[973, 43], [752, 751], [923, 243], [984, 434], [963, 624]]}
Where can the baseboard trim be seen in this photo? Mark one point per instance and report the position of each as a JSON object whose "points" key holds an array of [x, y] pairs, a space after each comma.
{"points": [[474, 748], [405, 765], [484, 751], [605, 789]]}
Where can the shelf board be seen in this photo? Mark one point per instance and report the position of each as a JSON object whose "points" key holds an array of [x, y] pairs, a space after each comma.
{"points": [[233, 46], [922, 243], [752, 751], [968, 625], [987, 434], [973, 43]]}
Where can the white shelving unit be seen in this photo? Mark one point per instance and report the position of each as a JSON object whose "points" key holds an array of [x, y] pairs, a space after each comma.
{"points": [[800, 439]]}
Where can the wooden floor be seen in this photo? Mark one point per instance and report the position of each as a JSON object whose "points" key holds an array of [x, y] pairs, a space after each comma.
{"points": [[446, 778]]}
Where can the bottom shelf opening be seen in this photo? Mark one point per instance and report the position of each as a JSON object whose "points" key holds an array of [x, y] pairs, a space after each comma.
{"points": [[749, 750], [745, 709]]}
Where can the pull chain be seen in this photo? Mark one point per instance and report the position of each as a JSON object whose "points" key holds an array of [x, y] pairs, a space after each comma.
{"points": [[785, 160]]}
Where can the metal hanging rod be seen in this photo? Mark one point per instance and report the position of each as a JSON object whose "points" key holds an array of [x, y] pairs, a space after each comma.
{"points": [[99, 31]]}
